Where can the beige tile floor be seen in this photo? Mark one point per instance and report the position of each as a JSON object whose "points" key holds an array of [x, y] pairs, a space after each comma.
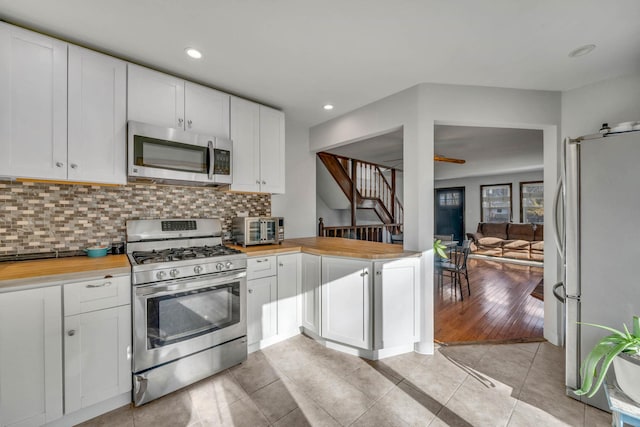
{"points": [[299, 383]]}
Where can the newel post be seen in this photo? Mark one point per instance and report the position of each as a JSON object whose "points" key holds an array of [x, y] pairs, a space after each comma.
{"points": [[321, 228]]}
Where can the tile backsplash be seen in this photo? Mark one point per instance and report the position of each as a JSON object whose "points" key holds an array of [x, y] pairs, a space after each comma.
{"points": [[43, 217]]}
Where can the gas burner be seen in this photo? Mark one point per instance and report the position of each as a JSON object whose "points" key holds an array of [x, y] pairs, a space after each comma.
{"points": [[180, 254]]}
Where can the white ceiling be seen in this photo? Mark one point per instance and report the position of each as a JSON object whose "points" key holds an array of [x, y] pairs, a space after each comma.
{"points": [[487, 151], [298, 54]]}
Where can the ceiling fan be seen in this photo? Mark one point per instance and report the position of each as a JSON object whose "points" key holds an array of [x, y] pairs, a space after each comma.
{"points": [[438, 158]]}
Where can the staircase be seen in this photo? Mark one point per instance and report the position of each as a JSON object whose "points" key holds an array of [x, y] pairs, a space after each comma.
{"points": [[366, 187]]}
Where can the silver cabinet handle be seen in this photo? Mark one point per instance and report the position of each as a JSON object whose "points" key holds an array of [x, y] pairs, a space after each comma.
{"points": [[250, 291], [264, 182], [73, 166], [281, 265], [189, 123], [59, 164], [378, 273], [180, 121], [263, 260], [101, 285], [257, 181], [71, 333], [365, 273]]}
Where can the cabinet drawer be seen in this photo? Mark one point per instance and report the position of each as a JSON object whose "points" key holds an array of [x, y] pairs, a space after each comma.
{"points": [[90, 295], [261, 267]]}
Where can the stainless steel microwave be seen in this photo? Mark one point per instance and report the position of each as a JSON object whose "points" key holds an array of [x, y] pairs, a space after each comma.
{"points": [[174, 156], [258, 230]]}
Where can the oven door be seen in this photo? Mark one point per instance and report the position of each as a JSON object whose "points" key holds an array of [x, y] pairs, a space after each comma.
{"points": [[177, 318]]}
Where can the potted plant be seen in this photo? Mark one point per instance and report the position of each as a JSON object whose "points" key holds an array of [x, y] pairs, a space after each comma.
{"points": [[439, 249], [620, 349]]}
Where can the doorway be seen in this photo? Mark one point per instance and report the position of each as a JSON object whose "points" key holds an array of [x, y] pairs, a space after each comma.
{"points": [[449, 212]]}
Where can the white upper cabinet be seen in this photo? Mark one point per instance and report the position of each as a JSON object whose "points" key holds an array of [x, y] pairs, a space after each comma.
{"points": [[164, 100], [259, 143], [97, 117], [245, 134], [271, 150], [33, 105], [206, 110], [155, 98]]}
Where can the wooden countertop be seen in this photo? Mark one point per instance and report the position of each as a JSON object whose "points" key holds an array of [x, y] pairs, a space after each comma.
{"points": [[13, 273], [332, 246]]}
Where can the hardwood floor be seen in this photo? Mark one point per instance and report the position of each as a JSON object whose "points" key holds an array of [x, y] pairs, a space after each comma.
{"points": [[500, 307]]}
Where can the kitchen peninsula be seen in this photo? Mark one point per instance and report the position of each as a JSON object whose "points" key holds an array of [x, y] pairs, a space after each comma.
{"points": [[358, 297]]}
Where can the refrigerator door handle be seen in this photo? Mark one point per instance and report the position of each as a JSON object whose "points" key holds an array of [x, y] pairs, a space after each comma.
{"points": [[559, 297], [556, 228]]}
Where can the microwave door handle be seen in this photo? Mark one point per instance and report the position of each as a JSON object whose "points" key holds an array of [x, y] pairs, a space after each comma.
{"points": [[211, 159]]}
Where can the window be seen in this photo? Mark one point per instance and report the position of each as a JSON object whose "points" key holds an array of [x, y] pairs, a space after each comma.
{"points": [[496, 202], [532, 202], [449, 198]]}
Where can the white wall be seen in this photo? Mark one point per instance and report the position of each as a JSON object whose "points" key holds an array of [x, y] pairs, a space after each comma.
{"points": [[472, 193], [417, 110], [298, 204]]}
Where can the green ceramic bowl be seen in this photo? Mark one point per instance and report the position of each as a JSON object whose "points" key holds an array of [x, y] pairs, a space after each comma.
{"points": [[97, 251]]}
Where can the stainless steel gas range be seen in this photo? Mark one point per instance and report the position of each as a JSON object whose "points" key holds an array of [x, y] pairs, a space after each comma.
{"points": [[189, 304]]}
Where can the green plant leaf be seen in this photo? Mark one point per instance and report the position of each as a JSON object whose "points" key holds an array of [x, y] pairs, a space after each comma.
{"points": [[615, 331], [605, 366]]}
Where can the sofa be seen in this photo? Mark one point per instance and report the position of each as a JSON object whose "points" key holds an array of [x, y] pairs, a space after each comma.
{"points": [[509, 240]]}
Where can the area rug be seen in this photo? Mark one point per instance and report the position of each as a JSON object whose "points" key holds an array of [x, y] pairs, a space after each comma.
{"points": [[538, 292]]}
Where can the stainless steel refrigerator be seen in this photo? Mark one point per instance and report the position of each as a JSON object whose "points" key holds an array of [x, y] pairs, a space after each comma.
{"points": [[598, 235]]}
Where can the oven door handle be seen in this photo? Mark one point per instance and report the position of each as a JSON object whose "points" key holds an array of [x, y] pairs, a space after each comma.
{"points": [[189, 284], [211, 158]]}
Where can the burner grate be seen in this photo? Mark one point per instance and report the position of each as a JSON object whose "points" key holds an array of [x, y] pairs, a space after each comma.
{"points": [[180, 254]]}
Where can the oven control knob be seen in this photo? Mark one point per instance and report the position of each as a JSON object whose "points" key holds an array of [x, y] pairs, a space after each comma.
{"points": [[174, 272], [197, 269], [160, 275], [219, 266], [229, 264]]}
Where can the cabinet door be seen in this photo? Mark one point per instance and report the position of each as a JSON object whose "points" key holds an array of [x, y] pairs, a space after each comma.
{"points": [[206, 110], [396, 302], [155, 98], [245, 134], [310, 295], [97, 117], [271, 150], [97, 356], [30, 356], [33, 105], [288, 290], [263, 266], [346, 301], [262, 314]]}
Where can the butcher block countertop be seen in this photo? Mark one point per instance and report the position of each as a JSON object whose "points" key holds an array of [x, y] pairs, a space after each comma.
{"points": [[332, 246], [59, 270]]}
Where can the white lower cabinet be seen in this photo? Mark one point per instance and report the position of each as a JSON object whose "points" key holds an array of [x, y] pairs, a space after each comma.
{"points": [[273, 284], [30, 357], [288, 290], [97, 356], [346, 301], [396, 303], [97, 341], [310, 292], [262, 314]]}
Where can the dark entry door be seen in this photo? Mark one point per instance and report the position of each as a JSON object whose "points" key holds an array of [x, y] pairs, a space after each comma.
{"points": [[449, 212]]}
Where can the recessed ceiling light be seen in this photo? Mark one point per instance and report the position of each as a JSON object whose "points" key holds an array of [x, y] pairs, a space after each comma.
{"points": [[194, 53], [582, 50], [328, 107]]}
